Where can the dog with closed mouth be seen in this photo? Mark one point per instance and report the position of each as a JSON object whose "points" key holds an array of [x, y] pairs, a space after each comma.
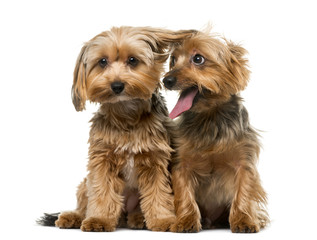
{"points": [[130, 135], [214, 177]]}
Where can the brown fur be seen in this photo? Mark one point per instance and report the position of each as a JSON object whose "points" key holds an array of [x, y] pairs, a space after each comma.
{"points": [[215, 180], [130, 135]]}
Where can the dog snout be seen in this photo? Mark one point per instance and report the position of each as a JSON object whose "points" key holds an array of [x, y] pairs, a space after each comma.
{"points": [[169, 81], [117, 87]]}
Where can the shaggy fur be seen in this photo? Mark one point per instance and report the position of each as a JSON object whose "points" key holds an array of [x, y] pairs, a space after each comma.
{"points": [[130, 135], [215, 180]]}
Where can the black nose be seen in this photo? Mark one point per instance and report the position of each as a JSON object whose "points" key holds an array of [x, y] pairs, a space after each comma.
{"points": [[169, 81], [117, 87]]}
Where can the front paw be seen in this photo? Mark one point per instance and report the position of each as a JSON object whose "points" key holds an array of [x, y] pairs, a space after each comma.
{"points": [[160, 225], [188, 224], [243, 227], [93, 224], [241, 223]]}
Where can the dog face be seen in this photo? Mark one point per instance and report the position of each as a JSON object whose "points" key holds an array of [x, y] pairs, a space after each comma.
{"points": [[120, 65], [202, 64]]}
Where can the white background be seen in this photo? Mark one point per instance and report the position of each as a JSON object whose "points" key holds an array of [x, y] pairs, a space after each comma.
{"points": [[43, 140]]}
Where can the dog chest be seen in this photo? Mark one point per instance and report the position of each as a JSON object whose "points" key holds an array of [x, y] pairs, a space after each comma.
{"points": [[129, 172]]}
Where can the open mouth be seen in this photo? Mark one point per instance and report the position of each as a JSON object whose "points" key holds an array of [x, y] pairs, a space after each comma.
{"points": [[185, 102]]}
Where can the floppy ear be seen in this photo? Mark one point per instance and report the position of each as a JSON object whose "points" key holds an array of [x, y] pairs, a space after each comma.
{"points": [[163, 40], [239, 64], [79, 92], [167, 37]]}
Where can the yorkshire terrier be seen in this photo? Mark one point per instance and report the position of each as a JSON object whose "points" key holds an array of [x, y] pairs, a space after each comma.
{"points": [[130, 135], [215, 179]]}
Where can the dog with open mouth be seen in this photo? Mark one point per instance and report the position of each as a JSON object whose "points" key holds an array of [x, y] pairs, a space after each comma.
{"points": [[214, 177]]}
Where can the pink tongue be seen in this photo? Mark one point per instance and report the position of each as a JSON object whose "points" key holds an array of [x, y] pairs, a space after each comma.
{"points": [[184, 103]]}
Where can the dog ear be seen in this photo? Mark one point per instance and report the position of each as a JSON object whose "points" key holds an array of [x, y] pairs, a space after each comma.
{"points": [[79, 92], [167, 37], [163, 39], [239, 65]]}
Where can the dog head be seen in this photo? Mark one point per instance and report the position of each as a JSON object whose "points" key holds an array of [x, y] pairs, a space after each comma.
{"points": [[202, 64], [121, 64]]}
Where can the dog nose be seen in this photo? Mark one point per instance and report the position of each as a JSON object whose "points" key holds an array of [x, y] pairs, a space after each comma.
{"points": [[117, 87], [169, 81]]}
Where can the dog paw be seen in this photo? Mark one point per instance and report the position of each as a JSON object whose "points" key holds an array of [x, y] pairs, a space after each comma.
{"points": [[244, 227], [242, 223], [68, 220], [136, 220], [160, 225], [93, 224], [186, 225]]}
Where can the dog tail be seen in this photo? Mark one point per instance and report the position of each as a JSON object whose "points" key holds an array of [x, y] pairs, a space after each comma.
{"points": [[48, 219]]}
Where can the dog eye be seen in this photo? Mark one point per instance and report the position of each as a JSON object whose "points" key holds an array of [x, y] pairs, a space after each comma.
{"points": [[198, 59], [132, 61], [173, 61], [103, 62]]}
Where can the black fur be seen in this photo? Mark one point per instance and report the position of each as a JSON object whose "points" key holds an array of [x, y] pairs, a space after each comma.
{"points": [[224, 122], [48, 219]]}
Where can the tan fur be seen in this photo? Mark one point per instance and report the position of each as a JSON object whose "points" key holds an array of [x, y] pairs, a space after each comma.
{"points": [[130, 135], [215, 180]]}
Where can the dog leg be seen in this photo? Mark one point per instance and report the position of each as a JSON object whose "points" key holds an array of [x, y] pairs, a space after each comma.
{"points": [[187, 211], [74, 219], [156, 193], [246, 214], [105, 200]]}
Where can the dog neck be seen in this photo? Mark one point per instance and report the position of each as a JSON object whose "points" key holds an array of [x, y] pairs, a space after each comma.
{"points": [[125, 114], [208, 102], [214, 121]]}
